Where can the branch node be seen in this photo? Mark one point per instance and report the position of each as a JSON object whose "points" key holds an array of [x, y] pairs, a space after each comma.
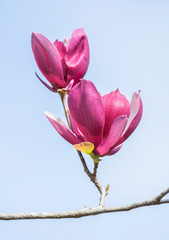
{"points": [[107, 189], [87, 208]]}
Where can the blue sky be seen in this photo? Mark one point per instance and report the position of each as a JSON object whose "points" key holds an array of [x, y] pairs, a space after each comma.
{"points": [[129, 48]]}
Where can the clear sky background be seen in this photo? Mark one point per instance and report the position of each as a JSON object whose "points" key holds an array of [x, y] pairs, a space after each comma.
{"points": [[40, 171]]}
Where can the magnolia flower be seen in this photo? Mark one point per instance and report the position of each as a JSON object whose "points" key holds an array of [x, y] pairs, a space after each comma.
{"points": [[62, 63], [99, 124]]}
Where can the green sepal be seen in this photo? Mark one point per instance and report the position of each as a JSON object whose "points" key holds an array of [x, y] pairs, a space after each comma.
{"points": [[95, 157], [85, 147]]}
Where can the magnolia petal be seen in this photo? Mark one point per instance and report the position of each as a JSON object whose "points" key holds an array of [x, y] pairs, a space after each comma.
{"points": [[48, 60], [115, 105], [69, 86], [134, 118], [87, 111], [66, 42], [77, 55], [114, 135], [60, 46], [62, 129], [75, 129], [114, 150], [86, 147], [61, 49], [45, 84]]}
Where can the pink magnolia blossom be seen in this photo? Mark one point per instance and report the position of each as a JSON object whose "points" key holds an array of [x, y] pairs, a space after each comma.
{"points": [[106, 121], [62, 63]]}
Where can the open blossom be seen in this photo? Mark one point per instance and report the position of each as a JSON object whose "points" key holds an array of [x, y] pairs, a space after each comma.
{"points": [[102, 122], [62, 63]]}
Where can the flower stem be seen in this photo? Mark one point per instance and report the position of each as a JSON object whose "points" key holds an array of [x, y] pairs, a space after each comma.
{"points": [[63, 99], [92, 176]]}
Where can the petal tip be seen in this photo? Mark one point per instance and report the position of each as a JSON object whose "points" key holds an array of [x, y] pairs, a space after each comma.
{"points": [[50, 115], [45, 112]]}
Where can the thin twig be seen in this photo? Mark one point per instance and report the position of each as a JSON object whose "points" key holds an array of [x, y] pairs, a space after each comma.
{"points": [[86, 211], [161, 195]]}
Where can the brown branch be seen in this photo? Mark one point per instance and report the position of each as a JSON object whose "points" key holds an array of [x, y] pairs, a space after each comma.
{"points": [[161, 195], [93, 176], [95, 169], [87, 211]]}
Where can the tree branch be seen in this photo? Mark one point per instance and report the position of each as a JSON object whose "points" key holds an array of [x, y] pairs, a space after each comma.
{"points": [[87, 211]]}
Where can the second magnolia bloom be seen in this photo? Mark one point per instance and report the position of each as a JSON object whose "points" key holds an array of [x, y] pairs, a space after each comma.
{"points": [[62, 63], [102, 122]]}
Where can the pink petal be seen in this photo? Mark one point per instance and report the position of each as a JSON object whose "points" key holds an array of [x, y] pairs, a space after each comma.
{"points": [[115, 105], [48, 60], [136, 107], [75, 129], [69, 86], [114, 150], [114, 135], [77, 55], [62, 129], [66, 42], [87, 110], [60, 46], [45, 84]]}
